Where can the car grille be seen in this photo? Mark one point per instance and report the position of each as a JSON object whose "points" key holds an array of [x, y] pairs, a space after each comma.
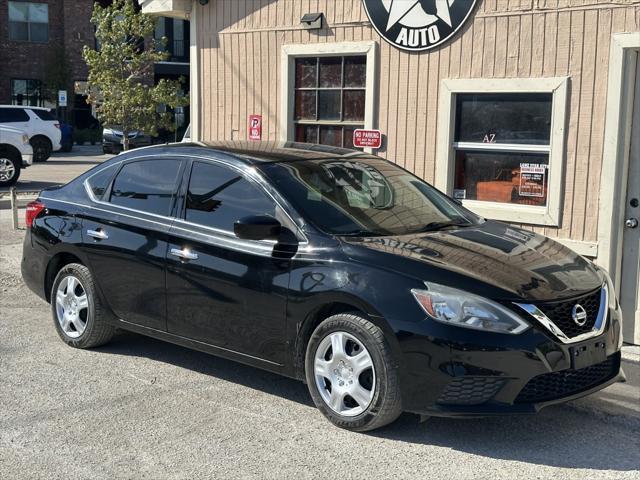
{"points": [[555, 385], [560, 313], [470, 390]]}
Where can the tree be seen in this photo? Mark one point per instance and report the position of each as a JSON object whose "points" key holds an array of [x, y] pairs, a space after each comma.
{"points": [[121, 72]]}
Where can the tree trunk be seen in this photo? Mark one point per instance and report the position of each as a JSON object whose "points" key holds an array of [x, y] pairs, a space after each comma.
{"points": [[125, 140]]}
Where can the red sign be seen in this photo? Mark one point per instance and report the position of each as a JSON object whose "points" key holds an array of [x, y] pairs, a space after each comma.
{"points": [[255, 127], [367, 138]]}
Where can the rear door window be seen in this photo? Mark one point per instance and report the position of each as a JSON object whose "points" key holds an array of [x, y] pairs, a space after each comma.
{"points": [[13, 115], [147, 185], [218, 196]]}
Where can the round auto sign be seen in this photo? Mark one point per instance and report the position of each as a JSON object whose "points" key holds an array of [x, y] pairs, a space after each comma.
{"points": [[418, 25]]}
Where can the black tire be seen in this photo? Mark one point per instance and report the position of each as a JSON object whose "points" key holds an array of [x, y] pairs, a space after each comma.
{"points": [[99, 321], [42, 148], [386, 404], [9, 162], [106, 150]]}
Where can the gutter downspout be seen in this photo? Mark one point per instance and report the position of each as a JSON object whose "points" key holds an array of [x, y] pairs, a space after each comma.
{"points": [[194, 72]]}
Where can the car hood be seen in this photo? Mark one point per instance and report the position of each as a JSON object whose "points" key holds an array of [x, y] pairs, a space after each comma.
{"points": [[490, 259]]}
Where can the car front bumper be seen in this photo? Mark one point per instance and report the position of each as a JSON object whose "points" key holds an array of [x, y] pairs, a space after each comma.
{"points": [[27, 160], [471, 373], [115, 143]]}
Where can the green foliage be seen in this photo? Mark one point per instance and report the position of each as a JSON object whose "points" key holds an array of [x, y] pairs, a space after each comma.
{"points": [[56, 74], [121, 72]]}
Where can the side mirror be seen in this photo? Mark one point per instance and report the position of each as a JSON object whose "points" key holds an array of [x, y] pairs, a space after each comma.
{"points": [[257, 227]]}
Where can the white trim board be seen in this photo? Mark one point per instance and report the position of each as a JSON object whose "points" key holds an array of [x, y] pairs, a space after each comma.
{"points": [[549, 215], [287, 77], [623, 56]]}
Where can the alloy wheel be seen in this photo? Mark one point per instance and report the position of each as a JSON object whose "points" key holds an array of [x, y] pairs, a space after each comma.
{"points": [[344, 374], [7, 170], [72, 306]]}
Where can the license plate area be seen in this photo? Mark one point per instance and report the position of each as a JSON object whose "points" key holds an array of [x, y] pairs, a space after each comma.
{"points": [[588, 354]]}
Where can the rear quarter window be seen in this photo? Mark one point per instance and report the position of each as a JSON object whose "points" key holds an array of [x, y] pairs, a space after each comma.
{"points": [[99, 182], [44, 115]]}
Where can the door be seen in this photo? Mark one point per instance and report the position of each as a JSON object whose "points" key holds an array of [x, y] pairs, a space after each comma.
{"points": [[630, 280], [125, 237], [222, 290]]}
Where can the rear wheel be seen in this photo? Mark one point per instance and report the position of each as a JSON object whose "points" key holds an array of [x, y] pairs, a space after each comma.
{"points": [[78, 314], [351, 374], [10, 164], [41, 149]]}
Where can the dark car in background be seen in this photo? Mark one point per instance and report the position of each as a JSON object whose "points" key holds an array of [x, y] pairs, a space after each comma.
{"points": [[331, 266], [112, 140]]}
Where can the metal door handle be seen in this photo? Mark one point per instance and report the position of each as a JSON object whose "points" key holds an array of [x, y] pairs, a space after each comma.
{"points": [[184, 254], [631, 223], [98, 234]]}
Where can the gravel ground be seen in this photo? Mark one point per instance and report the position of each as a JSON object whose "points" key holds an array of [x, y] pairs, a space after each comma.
{"points": [[139, 408]]}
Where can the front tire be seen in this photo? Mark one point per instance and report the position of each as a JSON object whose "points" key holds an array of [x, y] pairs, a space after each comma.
{"points": [[79, 316], [10, 165], [351, 374]]}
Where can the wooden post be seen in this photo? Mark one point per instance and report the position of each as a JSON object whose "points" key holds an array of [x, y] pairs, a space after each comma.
{"points": [[14, 207]]}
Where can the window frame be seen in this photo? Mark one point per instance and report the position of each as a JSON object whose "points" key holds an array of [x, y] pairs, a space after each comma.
{"points": [[446, 146], [290, 53], [29, 22]]}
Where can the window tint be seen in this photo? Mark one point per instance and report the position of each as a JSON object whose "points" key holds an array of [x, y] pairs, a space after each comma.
{"points": [[523, 118], [218, 196], [9, 115], [99, 182], [147, 185], [44, 115]]}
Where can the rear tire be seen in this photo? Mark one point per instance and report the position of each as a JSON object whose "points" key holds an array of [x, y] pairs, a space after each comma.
{"points": [[358, 387], [42, 148], [80, 318], [10, 167]]}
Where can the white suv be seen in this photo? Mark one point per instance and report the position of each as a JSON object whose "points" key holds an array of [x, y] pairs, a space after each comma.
{"points": [[42, 127], [15, 154]]}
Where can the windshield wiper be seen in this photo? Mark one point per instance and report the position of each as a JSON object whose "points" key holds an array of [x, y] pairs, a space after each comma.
{"points": [[435, 226]]}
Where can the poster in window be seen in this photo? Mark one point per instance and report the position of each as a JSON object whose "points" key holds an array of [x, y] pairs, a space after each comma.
{"points": [[532, 180]]}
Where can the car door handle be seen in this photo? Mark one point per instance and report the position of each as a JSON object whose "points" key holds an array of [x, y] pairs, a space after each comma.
{"points": [[184, 254], [98, 234]]}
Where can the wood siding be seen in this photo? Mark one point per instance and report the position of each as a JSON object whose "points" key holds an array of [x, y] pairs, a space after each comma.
{"points": [[240, 43]]}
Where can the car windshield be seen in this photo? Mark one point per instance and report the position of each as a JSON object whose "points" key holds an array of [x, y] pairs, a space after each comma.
{"points": [[364, 196]]}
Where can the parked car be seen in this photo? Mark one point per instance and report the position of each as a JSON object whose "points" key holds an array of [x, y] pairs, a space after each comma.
{"points": [[112, 140], [15, 154], [330, 266], [41, 126]]}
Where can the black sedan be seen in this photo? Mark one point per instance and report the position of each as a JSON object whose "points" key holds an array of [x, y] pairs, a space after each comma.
{"points": [[330, 266]]}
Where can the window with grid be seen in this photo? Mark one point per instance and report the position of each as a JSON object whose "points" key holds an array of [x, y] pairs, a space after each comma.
{"points": [[329, 99], [26, 92], [29, 22], [502, 146]]}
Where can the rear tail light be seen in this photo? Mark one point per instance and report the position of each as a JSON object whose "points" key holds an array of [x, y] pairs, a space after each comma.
{"points": [[33, 210], [57, 125]]}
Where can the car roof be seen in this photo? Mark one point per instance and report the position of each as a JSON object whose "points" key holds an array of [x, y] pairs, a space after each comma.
{"points": [[260, 152], [24, 106]]}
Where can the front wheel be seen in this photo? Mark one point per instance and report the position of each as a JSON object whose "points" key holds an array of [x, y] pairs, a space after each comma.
{"points": [[351, 374], [78, 314], [10, 165]]}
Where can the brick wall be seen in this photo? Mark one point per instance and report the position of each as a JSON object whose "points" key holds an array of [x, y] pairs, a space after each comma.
{"points": [[69, 30]]}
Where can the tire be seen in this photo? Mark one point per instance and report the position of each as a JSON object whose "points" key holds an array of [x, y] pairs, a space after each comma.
{"points": [[378, 384], [41, 148], [10, 168], [98, 321], [106, 150]]}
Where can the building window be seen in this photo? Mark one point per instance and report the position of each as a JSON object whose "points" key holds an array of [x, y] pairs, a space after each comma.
{"points": [[26, 92], [503, 155], [502, 144], [175, 30], [29, 22], [330, 92], [330, 97]]}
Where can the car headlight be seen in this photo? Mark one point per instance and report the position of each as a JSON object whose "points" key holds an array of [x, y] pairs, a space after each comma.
{"points": [[462, 309], [611, 291]]}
